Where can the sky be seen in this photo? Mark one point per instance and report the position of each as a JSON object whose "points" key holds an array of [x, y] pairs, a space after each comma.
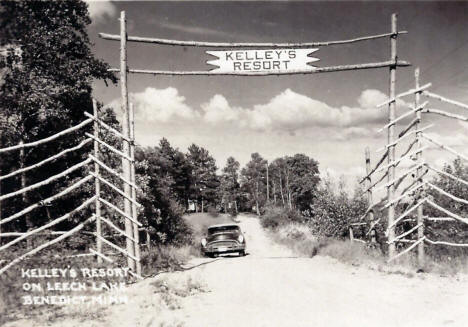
{"points": [[330, 117]]}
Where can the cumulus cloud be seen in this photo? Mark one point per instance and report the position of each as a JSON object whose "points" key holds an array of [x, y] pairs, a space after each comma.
{"points": [[100, 10], [291, 111], [288, 112], [371, 98], [156, 105], [218, 109]]}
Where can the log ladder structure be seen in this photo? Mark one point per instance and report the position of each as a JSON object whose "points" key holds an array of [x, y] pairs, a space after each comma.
{"points": [[129, 214], [97, 217], [415, 192]]}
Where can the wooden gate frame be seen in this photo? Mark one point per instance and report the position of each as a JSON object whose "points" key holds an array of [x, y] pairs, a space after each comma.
{"points": [[392, 63]]}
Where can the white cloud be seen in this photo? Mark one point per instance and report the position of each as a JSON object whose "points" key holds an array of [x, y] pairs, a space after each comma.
{"points": [[290, 111], [218, 109], [100, 10], [371, 98], [164, 105]]}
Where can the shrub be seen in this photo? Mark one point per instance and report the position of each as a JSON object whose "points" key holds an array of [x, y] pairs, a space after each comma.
{"points": [[164, 258], [275, 217]]}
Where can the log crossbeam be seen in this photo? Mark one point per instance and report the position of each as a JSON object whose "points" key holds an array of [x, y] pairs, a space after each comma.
{"points": [[401, 95], [47, 139], [114, 37]]}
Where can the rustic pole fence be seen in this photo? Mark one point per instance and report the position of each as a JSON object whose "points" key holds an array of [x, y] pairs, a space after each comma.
{"points": [[96, 199]]}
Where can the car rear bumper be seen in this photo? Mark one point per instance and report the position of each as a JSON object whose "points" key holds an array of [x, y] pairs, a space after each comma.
{"points": [[222, 249]]}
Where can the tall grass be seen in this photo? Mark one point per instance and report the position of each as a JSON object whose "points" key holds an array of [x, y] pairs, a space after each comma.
{"points": [[303, 242]]}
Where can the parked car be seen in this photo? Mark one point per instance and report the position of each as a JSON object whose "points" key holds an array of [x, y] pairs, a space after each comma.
{"points": [[224, 238]]}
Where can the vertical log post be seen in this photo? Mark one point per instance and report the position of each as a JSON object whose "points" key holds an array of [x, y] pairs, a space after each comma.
{"points": [[24, 197], [351, 234], [97, 184], [125, 131], [419, 173], [391, 135], [268, 184], [136, 233], [370, 215], [1, 144]]}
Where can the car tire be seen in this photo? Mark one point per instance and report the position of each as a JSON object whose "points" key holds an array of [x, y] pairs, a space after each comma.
{"points": [[242, 253]]}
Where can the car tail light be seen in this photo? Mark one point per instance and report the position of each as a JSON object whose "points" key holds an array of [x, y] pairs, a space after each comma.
{"points": [[203, 241], [241, 239]]}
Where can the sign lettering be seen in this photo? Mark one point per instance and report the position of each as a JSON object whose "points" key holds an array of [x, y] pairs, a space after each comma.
{"points": [[266, 60]]}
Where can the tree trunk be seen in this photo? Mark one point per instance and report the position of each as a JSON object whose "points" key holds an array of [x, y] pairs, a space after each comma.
{"points": [[256, 199], [268, 185], [288, 191], [148, 239], [281, 190], [274, 192]]}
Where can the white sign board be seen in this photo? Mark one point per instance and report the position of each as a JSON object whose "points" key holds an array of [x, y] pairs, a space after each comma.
{"points": [[265, 60]]}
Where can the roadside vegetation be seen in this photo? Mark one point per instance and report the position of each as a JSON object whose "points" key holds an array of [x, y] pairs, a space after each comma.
{"points": [[324, 228]]}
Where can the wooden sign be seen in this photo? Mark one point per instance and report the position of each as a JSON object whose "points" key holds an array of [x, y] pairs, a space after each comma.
{"points": [[265, 60]]}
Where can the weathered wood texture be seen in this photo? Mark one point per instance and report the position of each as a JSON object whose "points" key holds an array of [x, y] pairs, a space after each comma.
{"points": [[125, 144], [317, 70], [443, 99], [114, 37]]}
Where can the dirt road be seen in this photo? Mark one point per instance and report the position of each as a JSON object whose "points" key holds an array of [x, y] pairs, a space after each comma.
{"points": [[271, 287]]}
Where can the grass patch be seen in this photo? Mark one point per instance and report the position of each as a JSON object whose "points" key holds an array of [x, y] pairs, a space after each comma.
{"points": [[300, 239], [164, 258]]}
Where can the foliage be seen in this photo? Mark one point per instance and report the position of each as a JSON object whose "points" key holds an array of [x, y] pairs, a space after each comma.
{"points": [[253, 178], [297, 180], [275, 217], [47, 80], [450, 231], [331, 213], [205, 181], [230, 187], [162, 212]]}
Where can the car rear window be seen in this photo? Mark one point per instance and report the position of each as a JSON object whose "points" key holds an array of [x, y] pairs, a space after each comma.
{"points": [[220, 229]]}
